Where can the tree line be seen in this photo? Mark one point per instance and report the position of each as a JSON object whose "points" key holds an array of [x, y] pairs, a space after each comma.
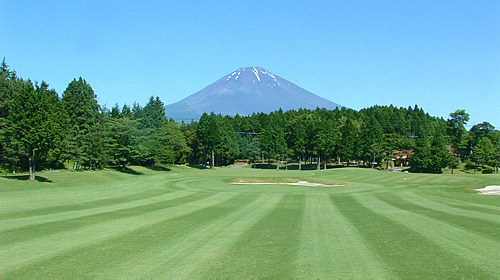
{"points": [[41, 130]]}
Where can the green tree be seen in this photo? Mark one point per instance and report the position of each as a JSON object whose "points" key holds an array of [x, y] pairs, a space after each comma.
{"points": [[484, 152], [453, 163], [153, 114], [430, 154], [297, 139], [231, 146], [456, 130], [496, 158], [172, 145], [371, 140], [348, 141], [34, 126], [126, 111], [115, 112], [8, 86], [325, 140], [441, 156], [273, 137], [209, 136], [252, 147], [479, 131], [120, 141], [151, 118], [83, 145]]}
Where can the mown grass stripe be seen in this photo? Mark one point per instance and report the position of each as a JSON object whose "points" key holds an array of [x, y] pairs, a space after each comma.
{"points": [[466, 205], [83, 205], [404, 250], [13, 223], [78, 219], [95, 201], [34, 201], [472, 220], [109, 226], [460, 248], [190, 254], [266, 250], [22, 253], [98, 257], [331, 245]]}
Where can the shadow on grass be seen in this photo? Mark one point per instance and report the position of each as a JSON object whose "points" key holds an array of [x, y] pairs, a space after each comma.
{"points": [[158, 168], [198, 166], [27, 178], [126, 170], [294, 166]]}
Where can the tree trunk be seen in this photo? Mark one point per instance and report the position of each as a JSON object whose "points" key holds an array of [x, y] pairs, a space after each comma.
{"points": [[31, 160], [319, 162], [213, 159], [300, 163], [278, 162], [324, 163]]}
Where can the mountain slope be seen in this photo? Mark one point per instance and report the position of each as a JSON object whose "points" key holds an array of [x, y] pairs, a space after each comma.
{"points": [[246, 91]]}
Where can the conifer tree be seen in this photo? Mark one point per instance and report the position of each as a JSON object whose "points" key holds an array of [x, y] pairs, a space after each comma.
{"points": [[120, 141], [83, 145], [33, 126]]}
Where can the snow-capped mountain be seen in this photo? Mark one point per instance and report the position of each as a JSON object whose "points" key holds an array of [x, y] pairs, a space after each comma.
{"points": [[246, 91]]}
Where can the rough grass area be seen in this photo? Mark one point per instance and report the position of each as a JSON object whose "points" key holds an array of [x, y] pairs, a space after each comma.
{"points": [[192, 223]]}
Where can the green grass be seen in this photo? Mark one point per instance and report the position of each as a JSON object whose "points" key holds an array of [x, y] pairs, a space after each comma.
{"points": [[191, 223]]}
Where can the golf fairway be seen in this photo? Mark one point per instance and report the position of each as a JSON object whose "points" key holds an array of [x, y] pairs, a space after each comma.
{"points": [[191, 223]]}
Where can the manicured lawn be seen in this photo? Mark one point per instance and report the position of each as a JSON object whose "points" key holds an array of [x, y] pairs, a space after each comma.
{"points": [[190, 223]]}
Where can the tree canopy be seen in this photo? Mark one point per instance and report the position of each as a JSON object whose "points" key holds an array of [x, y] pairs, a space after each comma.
{"points": [[39, 129]]}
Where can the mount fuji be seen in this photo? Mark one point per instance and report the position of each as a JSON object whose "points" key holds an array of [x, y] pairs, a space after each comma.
{"points": [[246, 91]]}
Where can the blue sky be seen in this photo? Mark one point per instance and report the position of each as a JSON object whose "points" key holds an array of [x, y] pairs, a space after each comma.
{"points": [[441, 55]]}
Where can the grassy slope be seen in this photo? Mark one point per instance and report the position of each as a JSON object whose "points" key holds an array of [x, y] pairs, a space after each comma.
{"points": [[192, 223]]}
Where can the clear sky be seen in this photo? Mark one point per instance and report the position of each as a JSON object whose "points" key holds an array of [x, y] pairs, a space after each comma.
{"points": [[441, 55]]}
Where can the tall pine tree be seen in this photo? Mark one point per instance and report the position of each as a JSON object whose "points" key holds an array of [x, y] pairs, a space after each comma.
{"points": [[83, 145]]}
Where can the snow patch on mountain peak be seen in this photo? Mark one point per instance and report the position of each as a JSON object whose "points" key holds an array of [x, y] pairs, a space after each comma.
{"points": [[268, 73], [229, 77], [256, 72]]}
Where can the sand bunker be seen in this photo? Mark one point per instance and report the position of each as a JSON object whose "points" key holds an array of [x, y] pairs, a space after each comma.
{"points": [[489, 190], [300, 183]]}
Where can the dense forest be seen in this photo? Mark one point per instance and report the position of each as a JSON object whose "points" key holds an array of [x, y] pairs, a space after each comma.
{"points": [[41, 130]]}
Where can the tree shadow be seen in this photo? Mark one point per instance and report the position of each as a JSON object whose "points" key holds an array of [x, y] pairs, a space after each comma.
{"points": [[198, 166], [126, 170], [27, 178], [158, 168]]}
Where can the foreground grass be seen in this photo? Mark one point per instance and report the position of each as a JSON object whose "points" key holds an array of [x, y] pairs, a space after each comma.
{"points": [[189, 223]]}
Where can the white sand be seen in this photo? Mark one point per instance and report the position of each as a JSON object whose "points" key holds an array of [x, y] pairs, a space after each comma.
{"points": [[489, 190], [300, 183]]}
